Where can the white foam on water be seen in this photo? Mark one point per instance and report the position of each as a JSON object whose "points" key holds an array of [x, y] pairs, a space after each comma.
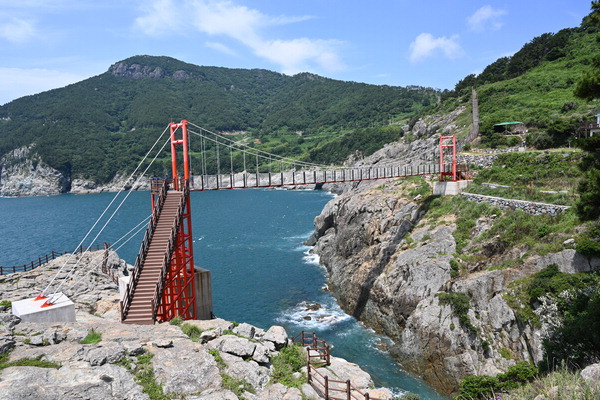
{"points": [[311, 259], [327, 316]]}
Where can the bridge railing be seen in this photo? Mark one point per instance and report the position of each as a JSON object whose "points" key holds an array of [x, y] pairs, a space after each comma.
{"points": [[46, 258], [242, 180]]}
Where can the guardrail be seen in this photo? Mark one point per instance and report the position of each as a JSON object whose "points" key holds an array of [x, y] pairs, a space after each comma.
{"points": [[318, 354], [48, 257]]}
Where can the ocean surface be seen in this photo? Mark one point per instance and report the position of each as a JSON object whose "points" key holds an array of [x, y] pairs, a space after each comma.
{"points": [[251, 240]]}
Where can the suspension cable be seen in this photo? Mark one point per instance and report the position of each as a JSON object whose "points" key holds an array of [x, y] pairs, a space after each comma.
{"points": [[104, 212], [112, 216]]}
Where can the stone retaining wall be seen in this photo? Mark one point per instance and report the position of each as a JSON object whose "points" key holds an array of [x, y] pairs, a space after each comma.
{"points": [[530, 207]]}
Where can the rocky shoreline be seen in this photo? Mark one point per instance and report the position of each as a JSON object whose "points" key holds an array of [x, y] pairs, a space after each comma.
{"points": [[224, 361]]}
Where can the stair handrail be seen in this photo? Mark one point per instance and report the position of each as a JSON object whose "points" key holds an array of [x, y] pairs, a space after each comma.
{"points": [[322, 383], [158, 291], [125, 303]]}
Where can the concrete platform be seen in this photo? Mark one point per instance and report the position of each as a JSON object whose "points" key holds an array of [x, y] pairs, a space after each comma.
{"points": [[31, 310], [449, 188]]}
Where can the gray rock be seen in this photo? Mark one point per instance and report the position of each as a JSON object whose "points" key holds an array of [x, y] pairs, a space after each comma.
{"points": [[237, 346], [163, 343], [215, 395], [262, 352], [6, 344], [277, 335], [186, 368], [9, 320], [105, 352], [77, 381], [591, 373], [275, 392], [245, 330], [209, 335], [249, 371], [212, 324]]}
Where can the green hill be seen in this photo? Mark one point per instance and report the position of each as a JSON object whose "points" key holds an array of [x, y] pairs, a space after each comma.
{"points": [[106, 123], [536, 86]]}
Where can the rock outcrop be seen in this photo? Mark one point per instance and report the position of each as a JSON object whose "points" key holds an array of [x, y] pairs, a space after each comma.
{"points": [[23, 173], [224, 361], [391, 267]]}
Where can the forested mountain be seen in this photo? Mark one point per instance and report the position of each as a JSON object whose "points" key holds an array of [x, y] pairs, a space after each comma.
{"points": [[104, 124]]}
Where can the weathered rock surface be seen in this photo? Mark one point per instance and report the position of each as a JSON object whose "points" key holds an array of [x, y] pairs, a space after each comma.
{"points": [[107, 369], [387, 266], [25, 174]]}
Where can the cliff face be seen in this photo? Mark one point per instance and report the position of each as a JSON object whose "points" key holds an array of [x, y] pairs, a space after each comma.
{"points": [[24, 174], [387, 266]]}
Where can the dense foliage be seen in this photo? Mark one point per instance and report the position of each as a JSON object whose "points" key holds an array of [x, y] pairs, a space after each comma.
{"points": [[488, 387], [106, 123]]}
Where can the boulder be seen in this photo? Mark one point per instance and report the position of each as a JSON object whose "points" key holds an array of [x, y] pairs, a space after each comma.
{"points": [[186, 368], [237, 346], [277, 335], [591, 374]]}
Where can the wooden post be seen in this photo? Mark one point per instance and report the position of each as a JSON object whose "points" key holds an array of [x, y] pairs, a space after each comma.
{"points": [[348, 390], [326, 386]]}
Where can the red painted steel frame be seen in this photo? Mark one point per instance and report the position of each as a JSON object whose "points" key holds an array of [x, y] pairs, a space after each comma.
{"points": [[443, 145], [179, 295]]}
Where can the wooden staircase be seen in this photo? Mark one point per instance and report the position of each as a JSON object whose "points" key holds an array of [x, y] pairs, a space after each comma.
{"points": [[146, 287]]}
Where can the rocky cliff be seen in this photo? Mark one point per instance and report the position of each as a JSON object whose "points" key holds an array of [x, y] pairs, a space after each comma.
{"points": [[199, 360], [25, 174], [393, 266]]}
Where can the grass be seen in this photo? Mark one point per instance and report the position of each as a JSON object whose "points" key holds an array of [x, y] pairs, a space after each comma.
{"points": [[561, 384], [217, 356], [289, 361], [143, 373], [177, 321], [6, 303], [237, 386], [26, 362], [92, 337], [192, 331]]}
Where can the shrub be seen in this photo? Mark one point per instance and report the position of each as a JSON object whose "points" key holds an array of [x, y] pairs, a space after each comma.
{"points": [[478, 387], [192, 331], [177, 321], [460, 304], [290, 360], [5, 303]]}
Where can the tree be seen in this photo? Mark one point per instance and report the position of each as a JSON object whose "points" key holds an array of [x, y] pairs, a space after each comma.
{"points": [[589, 88]]}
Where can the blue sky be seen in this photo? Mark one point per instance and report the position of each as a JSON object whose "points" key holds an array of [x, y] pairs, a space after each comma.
{"points": [[47, 44]]}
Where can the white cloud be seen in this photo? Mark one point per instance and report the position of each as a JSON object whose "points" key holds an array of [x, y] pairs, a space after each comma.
{"points": [[486, 17], [220, 47], [17, 30], [246, 26], [18, 82], [159, 18], [426, 45]]}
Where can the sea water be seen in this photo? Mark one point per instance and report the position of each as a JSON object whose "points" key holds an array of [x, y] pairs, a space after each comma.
{"points": [[251, 240]]}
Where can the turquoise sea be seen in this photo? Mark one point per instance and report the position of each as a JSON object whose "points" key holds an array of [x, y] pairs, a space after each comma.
{"points": [[251, 240]]}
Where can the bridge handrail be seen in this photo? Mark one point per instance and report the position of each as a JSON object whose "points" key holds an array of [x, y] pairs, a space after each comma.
{"points": [[135, 275], [45, 258], [158, 291]]}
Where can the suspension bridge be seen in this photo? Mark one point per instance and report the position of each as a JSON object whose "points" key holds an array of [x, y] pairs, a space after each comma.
{"points": [[164, 282]]}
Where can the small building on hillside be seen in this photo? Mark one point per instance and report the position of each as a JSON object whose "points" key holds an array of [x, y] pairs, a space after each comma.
{"points": [[510, 128], [592, 128]]}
